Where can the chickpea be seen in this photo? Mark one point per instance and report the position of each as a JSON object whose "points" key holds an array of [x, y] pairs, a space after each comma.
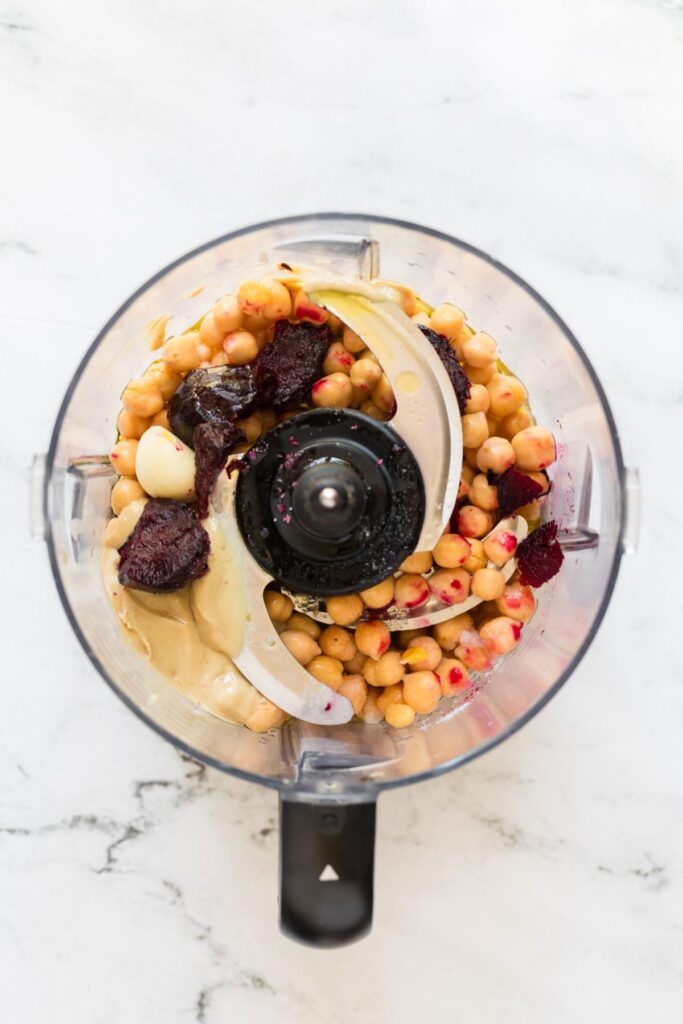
{"points": [[390, 668], [453, 677], [278, 606], [345, 610], [142, 398], [253, 297], [300, 645], [463, 489], [355, 689], [227, 315], [447, 320], [337, 359], [327, 670], [220, 358], [421, 318], [483, 494], [488, 584], [534, 448], [500, 547], [164, 377], [480, 350], [480, 374], [124, 491], [411, 591], [517, 602], [335, 324], [370, 409], [258, 326], [404, 636], [379, 596], [422, 691], [355, 664], [373, 638], [266, 716], [468, 473], [383, 395], [495, 454], [251, 426], [473, 653], [451, 551], [284, 416], [334, 391], [478, 400], [240, 347], [418, 562], [279, 304], [501, 635], [390, 695], [470, 455], [515, 422], [422, 654], [369, 672], [506, 394], [475, 429], [303, 622], [122, 457], [473, 521], [181, 353], [372, 713], [447, 634], [364, 375], [210, 334], [477, 559], [399, 716], [337, 642], [352, 341], [450, 586], [161, 420], [268, 419], [303, 308], [130, 426]]}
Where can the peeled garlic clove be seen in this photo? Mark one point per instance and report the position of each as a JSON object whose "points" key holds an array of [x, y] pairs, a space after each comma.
{"points": [[164, 465]]}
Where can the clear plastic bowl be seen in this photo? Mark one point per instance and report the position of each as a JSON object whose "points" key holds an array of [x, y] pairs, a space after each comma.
{"points": [[350, 764]]}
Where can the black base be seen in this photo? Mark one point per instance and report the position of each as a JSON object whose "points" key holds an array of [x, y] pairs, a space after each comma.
{"points": [[317, 842]]}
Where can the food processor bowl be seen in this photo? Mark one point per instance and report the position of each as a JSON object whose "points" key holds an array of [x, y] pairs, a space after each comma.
{"points": [[329, 778]]}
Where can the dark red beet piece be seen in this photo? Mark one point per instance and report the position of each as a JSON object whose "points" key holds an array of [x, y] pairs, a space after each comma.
{"points": [[514, 490], [285, 369], [539, 557], [455, 372], [167, 549], [219, 395], [212, 445]]}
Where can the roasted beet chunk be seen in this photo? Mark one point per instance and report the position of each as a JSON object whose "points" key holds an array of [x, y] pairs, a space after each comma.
{"points": [[285, 369], [539, 557], [212, 445], [219, 396], [455, 372], [167, 549], [514, 490]]}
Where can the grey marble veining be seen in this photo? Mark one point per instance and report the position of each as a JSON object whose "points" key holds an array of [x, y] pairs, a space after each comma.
{"points": [[540, 883]]}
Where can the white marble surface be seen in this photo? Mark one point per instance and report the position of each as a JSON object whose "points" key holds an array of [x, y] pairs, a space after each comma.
{"points": [[540, 883]]}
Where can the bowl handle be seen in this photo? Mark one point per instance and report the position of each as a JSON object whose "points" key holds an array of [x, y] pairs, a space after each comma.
{"points": [[327, 854]]}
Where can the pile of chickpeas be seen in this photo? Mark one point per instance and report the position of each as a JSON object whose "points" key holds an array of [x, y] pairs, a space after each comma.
{"points": [[391, 676]]}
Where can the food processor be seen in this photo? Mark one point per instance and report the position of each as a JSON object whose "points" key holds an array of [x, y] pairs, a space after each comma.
{"points": [[329, 777]]}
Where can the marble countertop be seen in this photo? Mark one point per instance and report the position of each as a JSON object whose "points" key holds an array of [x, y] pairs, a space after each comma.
{"points": [[539, 883]]}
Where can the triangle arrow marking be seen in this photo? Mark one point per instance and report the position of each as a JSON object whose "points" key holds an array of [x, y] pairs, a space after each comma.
{"points": [[328, 874]]}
